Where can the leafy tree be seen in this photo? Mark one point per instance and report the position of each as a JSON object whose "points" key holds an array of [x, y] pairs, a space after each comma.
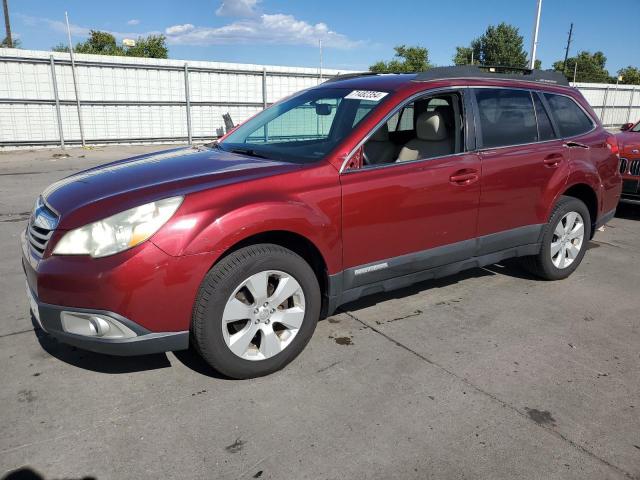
{"points": [[591, 67], [104, 43], [630, 75], [153, 46], [16, 43], [499, 45], [406, 60]]}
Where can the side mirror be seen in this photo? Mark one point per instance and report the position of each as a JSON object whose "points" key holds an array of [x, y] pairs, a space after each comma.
{"points": [[626, 127], [323, 109]]}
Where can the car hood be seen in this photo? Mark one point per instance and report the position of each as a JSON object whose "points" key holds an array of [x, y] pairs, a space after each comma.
{"points": [[629, 143], [105, 190]]}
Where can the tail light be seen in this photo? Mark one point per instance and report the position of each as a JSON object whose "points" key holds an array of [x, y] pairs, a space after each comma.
{"points": [[612, 144]]}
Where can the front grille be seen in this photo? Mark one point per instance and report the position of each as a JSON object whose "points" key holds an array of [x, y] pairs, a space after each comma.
{"points": [[634, 167], [624, 163], [42, 223]]}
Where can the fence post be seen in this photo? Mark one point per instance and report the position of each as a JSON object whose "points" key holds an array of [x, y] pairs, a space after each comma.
{"points": [[264, 88], [604, 106], [57, 99], [188, 102], [633, 94]]}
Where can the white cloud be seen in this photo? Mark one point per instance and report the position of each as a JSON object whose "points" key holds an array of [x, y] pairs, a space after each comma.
{"points": [[179, 29], [276, 28], [133, 21], [76, 30], [238, 8], [272, 29]]}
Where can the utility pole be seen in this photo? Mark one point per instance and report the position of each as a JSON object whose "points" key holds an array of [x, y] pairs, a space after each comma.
{"points": [[566, 52], [7, 23], [534, 40]]}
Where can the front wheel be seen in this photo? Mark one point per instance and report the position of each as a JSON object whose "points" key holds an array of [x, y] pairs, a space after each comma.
{"points": [[256, 310], [564, 241]]}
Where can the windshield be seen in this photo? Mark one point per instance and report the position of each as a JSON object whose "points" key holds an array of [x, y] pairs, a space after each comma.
{"points": [[636, 128], [305, 127]]}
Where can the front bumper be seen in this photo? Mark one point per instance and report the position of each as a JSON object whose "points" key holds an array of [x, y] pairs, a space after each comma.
{"points": [[630, 190], [48, 318], [144, 289]]}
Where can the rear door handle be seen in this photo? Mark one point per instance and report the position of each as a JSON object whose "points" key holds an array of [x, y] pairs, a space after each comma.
{"points": [[464, 177], [553, 160], [575, 145]]}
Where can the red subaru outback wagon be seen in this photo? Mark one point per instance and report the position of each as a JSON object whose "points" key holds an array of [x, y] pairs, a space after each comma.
{"points": [[365, 183]]}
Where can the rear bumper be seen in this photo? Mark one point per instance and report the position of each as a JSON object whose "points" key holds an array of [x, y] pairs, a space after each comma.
{"points": [[48, 317]]}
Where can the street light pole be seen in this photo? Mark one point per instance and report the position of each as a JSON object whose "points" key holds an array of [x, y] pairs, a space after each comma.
{"points": [[534, 40], [7, 23]]}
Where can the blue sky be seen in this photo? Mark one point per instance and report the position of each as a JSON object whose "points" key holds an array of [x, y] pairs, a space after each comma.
{"points": [[355, 33]]}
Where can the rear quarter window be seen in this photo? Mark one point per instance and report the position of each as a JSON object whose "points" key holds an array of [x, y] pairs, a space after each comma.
{"points": [[569, 117]]}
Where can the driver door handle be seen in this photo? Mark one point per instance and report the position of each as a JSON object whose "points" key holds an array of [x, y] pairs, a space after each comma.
{"points": [[464, 177]]}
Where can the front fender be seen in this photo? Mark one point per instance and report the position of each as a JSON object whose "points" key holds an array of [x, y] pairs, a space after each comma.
{"points": [[304, 203], [251, 220]]}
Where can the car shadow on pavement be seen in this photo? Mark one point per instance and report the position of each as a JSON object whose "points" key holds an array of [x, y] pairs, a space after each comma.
{"points": [[628, 212], [97, 362], [191, 359], [27, 473], [376, 298]]}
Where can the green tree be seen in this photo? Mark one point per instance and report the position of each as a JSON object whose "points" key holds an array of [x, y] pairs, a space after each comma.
{"points": [[104, 43], [591, 67], [406, 60], [153, 46], [499, 45], [630, 75], [16, 43]]}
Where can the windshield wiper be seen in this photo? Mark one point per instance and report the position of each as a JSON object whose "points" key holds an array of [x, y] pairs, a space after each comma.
{"points": [[249, 152]]}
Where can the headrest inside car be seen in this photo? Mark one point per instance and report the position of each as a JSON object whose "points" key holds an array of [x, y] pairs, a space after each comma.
{"points": [[430, 126]]}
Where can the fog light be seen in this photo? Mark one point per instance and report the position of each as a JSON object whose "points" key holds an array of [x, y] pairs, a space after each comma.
{"points": [[94, 325]]}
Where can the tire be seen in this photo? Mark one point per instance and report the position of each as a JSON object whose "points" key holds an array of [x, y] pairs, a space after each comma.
{"points": [[551, 267], [255, 278]]}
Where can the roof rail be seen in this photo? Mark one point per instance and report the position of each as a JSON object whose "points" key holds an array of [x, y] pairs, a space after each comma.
{"points": [[485, 71], [347, 76]]}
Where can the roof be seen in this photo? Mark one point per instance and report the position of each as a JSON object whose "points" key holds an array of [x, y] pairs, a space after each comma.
{"points": [[393, 81]]}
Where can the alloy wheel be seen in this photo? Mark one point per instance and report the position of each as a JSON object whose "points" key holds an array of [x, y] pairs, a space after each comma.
{"points": [[263, 315], [568, 239]]}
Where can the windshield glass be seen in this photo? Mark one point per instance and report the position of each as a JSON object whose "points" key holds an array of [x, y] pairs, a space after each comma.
{"points": [[636, 128], [305, 127]]}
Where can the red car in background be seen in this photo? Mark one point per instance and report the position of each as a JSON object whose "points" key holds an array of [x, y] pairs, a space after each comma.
{"points": [[629, 144]]}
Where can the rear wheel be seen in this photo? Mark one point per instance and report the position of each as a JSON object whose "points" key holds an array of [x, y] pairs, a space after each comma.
{"points": [[256, 311], [564, 241]]}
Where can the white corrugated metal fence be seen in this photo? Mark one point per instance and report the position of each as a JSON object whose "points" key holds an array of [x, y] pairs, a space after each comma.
{"points": [[126, 100]]}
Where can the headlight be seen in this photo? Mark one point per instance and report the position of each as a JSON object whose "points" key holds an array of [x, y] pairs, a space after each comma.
{"points": [[118, 232]]}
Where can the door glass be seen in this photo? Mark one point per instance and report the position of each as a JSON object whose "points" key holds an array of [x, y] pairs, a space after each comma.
{"points": [[570, 118], [506, 117], [545, 129]]}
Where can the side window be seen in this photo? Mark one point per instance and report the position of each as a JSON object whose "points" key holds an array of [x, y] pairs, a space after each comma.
{"points": [[545, 129], [506, 117], [401, 121], [569, 117], [429, 127]]}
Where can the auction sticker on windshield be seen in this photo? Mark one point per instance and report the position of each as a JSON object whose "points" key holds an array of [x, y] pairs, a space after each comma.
{"points": [[366, 95]]}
